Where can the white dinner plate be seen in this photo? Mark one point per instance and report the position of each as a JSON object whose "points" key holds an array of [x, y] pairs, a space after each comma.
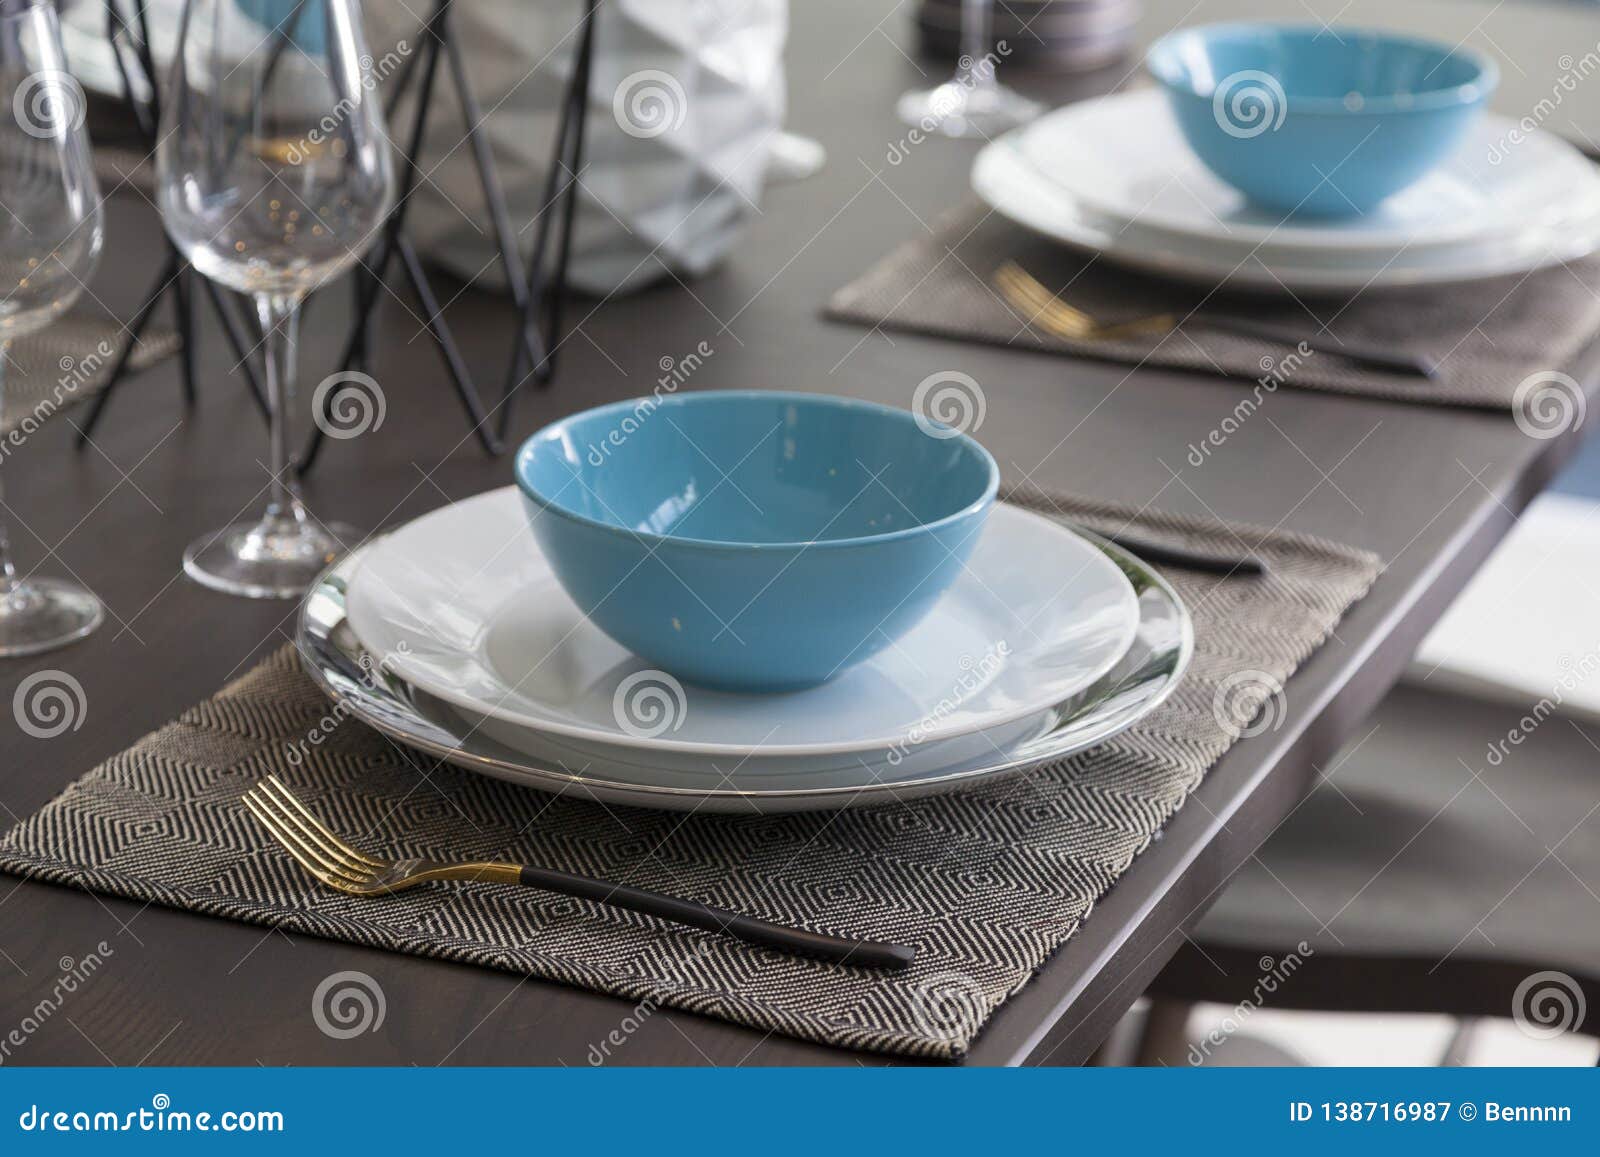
{"points": [[1136, 685], [462, 604], [1009, 182], [906, 760], [1123, 159]]}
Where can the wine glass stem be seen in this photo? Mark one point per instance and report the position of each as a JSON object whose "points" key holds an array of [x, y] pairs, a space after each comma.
{"points": [[280, 320], [972, 71], [8, 572]]}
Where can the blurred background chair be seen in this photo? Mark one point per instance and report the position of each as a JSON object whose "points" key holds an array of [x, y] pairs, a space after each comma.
{"points": [[1448, 860]]}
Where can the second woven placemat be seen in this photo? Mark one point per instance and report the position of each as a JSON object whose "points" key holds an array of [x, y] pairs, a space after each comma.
{"points": [[68, 363], [1487, 336]]}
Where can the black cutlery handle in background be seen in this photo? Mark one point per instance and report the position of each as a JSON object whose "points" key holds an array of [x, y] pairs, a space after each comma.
{"points": [[861, 953], [1157, 554], [1361, 353]]}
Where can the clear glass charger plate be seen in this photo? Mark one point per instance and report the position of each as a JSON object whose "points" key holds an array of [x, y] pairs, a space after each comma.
{"points": [[1139, 682]]}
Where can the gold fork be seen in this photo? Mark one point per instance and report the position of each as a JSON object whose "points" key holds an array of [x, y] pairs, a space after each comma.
{"points": [[346, 869], [1044, 309], [1048, 311]]}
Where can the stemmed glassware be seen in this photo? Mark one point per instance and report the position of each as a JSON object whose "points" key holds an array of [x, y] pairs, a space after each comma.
{"points": [[274, 175], [50, 233], [972, 103]]}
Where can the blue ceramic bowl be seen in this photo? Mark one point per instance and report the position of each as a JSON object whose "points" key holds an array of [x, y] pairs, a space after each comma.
{"points": [[1319, 122], [750, 540]]}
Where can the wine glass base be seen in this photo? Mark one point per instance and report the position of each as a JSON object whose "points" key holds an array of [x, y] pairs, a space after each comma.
{"points": [[954, 109], [43, 614], [276, 558]]}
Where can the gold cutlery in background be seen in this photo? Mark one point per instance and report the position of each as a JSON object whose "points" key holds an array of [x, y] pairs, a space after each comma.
{"points": [[1041, 308]]}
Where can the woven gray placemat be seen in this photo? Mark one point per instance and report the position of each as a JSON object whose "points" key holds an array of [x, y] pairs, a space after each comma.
{"points": [[69, 362], [988, 883], [1487, 336]]}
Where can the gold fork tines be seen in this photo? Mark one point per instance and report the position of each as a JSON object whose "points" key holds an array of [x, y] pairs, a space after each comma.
{"points": [[327, 861], [1049, 312], [338, 864], [1026, 291], [275, 787]]}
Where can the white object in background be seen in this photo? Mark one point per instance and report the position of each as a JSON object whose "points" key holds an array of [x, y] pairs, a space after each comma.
{"points": [[1527, 628], [792, 157], [685, 98], [686, 101]]}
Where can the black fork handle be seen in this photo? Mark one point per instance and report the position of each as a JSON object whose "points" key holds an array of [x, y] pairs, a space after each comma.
{"points": [[1367, 354], [840, 950]]}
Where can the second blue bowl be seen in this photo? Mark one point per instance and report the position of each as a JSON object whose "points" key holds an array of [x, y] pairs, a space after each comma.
{"points": [[753, 540], [1319, 121]]}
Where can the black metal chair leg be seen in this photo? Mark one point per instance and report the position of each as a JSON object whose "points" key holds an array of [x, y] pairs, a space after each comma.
{"points": [[238, 344], [543, 304], [459, 375], [183, 311], [489, 179], [369, 287], [440, 40], [556, 291], [141, 319], [362, 350], [529, 315], [408, 178]]}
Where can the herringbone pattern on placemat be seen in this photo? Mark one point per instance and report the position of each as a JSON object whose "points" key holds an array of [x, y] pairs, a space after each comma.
{"points": [[987, 883]]}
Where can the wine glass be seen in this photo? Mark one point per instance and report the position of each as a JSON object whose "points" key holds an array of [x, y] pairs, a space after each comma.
{"points": [[972, 103], [50, 232], [273, 175]]}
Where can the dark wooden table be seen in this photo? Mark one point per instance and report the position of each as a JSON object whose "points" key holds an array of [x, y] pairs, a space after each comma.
{"points": [[1431, 490]]}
